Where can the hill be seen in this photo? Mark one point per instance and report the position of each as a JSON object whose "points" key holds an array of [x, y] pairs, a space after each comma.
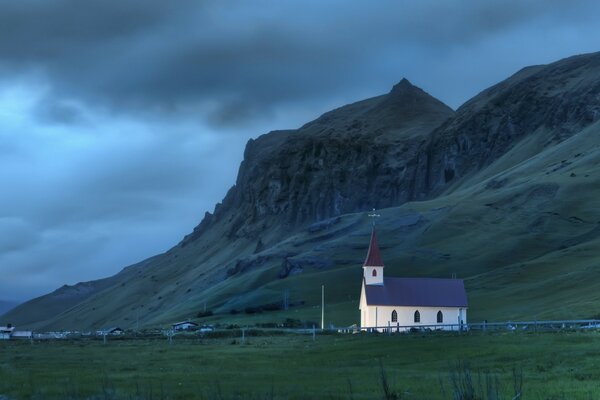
{"points": [[6, 306], [500, 192]]}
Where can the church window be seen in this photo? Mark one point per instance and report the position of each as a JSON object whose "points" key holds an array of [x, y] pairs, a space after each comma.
{"points": [[394, 316], [417, 316], [374, 272], [440, 317]]}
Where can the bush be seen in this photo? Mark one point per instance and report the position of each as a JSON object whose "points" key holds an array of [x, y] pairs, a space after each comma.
{"points": [[272, 307], [203, 314], [267, 325], [465, 386], [310, 324]]}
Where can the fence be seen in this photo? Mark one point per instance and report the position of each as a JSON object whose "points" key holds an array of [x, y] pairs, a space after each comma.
{"points": [[534, 326], [242, 332]]}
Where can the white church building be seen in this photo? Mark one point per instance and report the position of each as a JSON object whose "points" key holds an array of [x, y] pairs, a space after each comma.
{"points": [[400, 304]]}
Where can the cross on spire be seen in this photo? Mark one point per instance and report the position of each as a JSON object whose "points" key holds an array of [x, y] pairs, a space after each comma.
{"points": [[373, 215]]}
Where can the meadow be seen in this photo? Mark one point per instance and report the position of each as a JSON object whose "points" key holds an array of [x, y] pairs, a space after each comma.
{"points": [[556, 365]]}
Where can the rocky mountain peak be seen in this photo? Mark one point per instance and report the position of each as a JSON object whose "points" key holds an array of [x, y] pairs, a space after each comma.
{"points": [[353, 158], [403, 86], [406, 101]]}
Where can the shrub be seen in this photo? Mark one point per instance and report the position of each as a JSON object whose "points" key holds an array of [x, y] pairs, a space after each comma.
{"points": [[292, 323], [202, 314]]}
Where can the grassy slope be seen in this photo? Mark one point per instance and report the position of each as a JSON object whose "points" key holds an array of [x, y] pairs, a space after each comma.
{"points": [[554, 365], [527, 248], [539, 234]]}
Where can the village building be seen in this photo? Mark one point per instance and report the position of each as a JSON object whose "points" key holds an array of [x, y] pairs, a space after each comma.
{"points": [[402, 304], [113, 331], [22, 335], [6, 332], [184, 326]]}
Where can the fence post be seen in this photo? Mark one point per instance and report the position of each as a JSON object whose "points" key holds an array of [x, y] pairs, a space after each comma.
{"points": [[313, 332]]}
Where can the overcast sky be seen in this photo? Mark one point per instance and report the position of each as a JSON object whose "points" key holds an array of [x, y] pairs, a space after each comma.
{"points": [[122, 122]]}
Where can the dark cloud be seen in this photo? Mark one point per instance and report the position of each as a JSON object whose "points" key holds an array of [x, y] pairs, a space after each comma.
{"points": [[236, 61], [111, 113]]}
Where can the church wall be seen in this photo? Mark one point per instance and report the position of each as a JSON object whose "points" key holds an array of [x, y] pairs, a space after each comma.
{"points": [[380, 316], [373, 280]]}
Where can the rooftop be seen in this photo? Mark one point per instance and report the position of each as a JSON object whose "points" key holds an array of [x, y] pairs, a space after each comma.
{"points": [[373, 256], [420, 292]]}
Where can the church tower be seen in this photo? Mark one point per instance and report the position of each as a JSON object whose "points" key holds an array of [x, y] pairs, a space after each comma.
{"points": [[373, 266]]}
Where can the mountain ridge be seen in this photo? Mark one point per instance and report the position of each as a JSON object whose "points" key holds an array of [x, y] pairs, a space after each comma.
{"points": [[6, 306], [294, 216]]}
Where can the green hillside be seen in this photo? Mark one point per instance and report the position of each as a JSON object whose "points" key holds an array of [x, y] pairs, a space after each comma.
{"points": [[503, 193]]}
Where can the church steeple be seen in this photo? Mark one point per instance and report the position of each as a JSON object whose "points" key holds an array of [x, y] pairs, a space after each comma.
{"points": [[373, 265]]}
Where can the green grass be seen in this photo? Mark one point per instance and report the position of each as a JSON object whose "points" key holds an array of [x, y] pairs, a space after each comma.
{"points": [[555, 366]]}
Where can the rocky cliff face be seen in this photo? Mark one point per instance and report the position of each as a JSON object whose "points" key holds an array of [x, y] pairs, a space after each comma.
{"points": [[361, 156], [402, 146], [560, 98]]}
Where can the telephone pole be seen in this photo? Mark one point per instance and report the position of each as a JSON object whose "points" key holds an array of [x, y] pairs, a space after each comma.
{"points": [[322, 307]]}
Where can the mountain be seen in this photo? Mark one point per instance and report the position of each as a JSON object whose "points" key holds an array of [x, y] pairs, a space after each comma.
{"points": [[6, 306], [501, 192], [356, 157]]}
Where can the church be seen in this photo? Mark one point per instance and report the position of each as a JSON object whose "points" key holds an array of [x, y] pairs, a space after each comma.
{"points": [[400, 304]]}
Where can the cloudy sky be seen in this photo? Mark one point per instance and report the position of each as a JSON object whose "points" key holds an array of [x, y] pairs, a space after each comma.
{"points": [[122, 122]]}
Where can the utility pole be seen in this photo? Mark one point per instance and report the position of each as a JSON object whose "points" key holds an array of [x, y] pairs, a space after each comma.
{"points": [[286, 299], [322, 307]]}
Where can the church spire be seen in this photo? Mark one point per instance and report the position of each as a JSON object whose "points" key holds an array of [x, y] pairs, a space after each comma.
{"points": [[373, 265], [373, 256]]}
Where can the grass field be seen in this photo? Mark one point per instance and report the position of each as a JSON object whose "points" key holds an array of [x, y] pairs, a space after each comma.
{"points": [[563, 365]]}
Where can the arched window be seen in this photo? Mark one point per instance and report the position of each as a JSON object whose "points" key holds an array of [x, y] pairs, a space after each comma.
{"points": [[374, 272], [440, 317], [394, 316], [417, 316]]}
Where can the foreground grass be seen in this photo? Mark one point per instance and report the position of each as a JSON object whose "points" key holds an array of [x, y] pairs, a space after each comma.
{"points": [[555, 366]]}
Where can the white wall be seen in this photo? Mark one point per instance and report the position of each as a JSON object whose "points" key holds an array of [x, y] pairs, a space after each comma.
{"points": [[373, 280], [381, 316]]}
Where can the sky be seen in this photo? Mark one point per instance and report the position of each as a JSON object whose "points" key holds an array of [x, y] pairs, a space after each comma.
{"points": [[123, 122]]}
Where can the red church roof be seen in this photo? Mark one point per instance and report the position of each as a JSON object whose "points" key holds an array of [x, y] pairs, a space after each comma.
{"points": [[373, 257]]}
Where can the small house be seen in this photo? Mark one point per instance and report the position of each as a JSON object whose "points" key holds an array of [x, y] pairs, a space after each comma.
{"points": [[184, 326], [114, 331], [6, 332], [22, 334]]}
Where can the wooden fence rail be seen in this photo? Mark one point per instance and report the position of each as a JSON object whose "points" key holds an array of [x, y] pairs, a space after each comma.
{"points": [[533, 325]]}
